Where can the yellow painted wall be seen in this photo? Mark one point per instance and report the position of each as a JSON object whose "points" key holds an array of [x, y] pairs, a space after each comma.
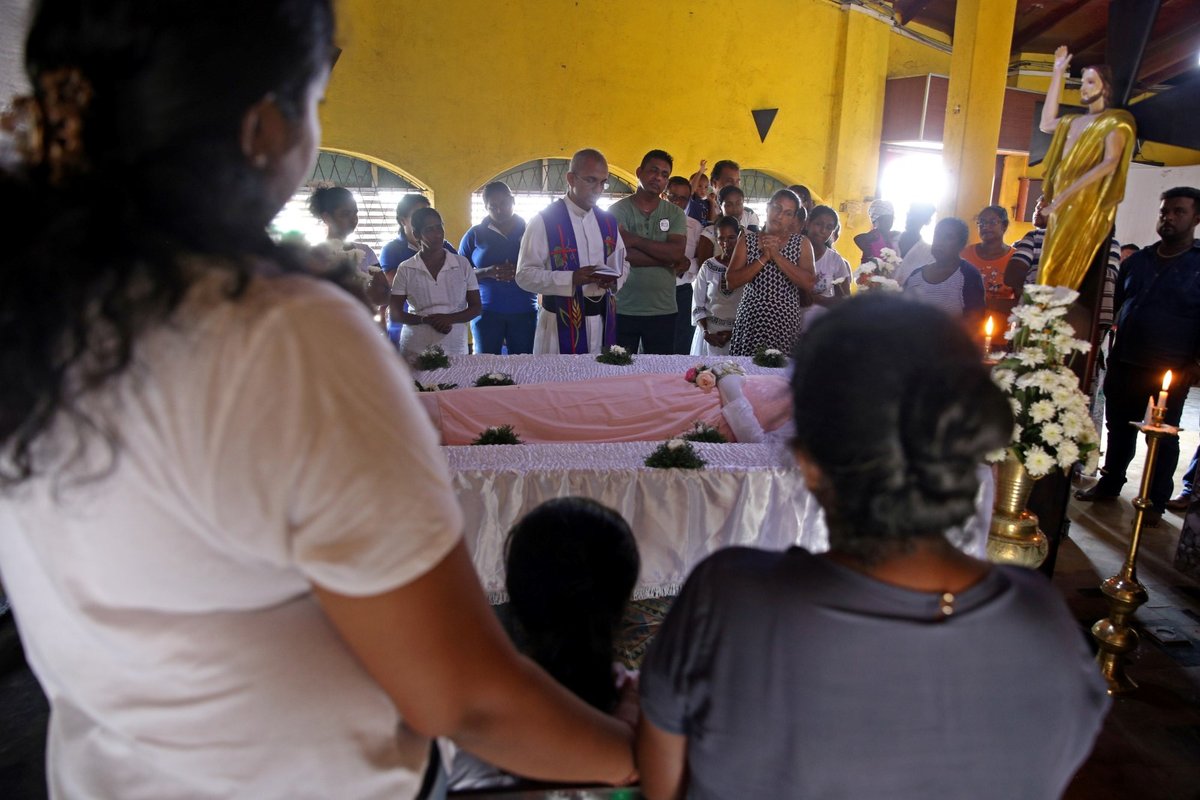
{"points": [[415, 87], [614, 78]]}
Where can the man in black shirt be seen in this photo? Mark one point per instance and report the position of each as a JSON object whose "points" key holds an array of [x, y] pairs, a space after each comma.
{"points": [[1157, 304]]}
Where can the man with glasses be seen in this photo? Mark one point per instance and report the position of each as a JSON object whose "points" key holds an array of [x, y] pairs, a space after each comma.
{"points": [[655, 236], [573, 257], [679, 191]]}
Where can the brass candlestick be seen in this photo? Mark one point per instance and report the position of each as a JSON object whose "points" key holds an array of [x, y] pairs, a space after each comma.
{"points": [[1116, 638]]}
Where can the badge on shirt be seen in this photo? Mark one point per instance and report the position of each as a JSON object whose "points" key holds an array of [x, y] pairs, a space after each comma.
{"points": [[664, 225]]}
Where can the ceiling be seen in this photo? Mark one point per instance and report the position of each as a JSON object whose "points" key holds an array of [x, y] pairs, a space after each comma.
{"points": [[1082, 25]]}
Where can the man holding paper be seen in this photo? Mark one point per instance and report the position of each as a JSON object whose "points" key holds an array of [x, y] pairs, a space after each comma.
{"points": [[1157, 304], [573, 257]]}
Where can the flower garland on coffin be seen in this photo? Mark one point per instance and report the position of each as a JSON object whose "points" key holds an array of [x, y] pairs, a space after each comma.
{"points": [[878, 274], [1053, 427]]}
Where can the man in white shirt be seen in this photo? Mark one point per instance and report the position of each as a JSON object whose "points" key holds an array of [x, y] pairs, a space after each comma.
{"points": [[577, 277]]}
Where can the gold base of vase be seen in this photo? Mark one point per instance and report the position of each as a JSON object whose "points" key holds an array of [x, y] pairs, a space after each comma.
{"points": [[1013, 536], [1017, 540]]}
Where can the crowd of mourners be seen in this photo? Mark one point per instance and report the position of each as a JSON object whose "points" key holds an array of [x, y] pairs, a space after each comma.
{"points": [[720, 281]]}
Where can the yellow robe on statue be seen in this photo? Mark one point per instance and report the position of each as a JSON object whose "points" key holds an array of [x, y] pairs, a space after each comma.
{"points": [[1079, 227]]}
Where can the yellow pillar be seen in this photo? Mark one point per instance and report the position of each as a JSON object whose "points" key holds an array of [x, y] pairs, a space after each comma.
{"points": [[852, 164], [975, 100]]}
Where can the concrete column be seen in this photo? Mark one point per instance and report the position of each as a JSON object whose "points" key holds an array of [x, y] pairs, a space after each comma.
{"points": [[975, 100], [852, 163]]}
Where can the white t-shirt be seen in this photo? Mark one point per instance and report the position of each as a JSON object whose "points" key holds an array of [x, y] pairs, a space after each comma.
{"points": [[829, 268], [166, 605]]}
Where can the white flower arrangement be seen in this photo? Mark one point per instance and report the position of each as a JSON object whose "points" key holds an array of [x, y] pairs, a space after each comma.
{"points": [[877, 273], [1053, 427]]}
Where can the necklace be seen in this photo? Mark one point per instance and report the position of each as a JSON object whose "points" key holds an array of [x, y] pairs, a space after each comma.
{"points": [[1161, 254]]}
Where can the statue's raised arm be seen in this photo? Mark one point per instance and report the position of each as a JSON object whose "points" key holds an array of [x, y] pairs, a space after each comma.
{"points": [[1085, 171], [1062, 61]]}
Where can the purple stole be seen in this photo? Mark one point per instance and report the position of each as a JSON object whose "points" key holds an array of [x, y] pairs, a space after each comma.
{"points": [[564, 255]]}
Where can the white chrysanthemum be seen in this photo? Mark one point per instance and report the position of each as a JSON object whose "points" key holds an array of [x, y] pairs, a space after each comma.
{"points": [[1038, 462], [1004, 378], [617, 350], [675, 444], [1052, 433], [1073, 426], [868, 266], [1017, 408], [1031, 358], [1068, 454], [1092, 461], [886, 283], [1042, 410], [771, 351], [996, 456]]}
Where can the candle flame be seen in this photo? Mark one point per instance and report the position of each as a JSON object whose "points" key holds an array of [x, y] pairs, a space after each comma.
{"points": [[1167, 381], [989, 327]]}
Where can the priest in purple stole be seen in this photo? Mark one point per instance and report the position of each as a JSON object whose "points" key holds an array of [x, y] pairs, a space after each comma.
{"points": [[573, 257]]}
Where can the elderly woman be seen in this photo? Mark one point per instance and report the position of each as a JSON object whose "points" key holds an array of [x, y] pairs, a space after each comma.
{"points": [[991, 256], [893, 665], [199, 531], [776, 267], [435, 293]]}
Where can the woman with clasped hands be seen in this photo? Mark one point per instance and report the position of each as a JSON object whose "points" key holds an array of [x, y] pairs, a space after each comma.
{"points": [[776, 267], [200, 531]]}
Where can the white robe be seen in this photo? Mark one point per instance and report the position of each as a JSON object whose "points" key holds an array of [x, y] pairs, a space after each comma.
{"points": [[534, 274]]}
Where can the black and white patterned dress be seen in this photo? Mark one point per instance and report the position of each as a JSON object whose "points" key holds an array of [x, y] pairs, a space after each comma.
{"points": [[771, 313]]}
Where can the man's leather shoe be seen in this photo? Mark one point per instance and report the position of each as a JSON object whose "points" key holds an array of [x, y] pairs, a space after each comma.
{"points": [[1095, 495], [1180, 503]]}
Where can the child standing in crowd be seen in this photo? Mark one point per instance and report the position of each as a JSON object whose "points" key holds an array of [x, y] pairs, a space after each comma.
{"points": [[714, 304], [571, 565]]}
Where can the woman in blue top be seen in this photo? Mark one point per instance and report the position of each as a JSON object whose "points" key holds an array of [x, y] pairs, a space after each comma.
{"points": [[509, 312]]}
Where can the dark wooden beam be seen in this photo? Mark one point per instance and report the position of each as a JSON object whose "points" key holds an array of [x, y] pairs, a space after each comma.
{"points": [[1171, 55], [907, 10], [1027, 33]]}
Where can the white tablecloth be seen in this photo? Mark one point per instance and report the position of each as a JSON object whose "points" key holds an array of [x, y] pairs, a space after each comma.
{"points": [[749, 494], [464, 370]]}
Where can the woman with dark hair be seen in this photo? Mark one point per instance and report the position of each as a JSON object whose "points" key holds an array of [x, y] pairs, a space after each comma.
{"points": [[435, 293], [335, 206], [893, 665], [991, 257], [199, 532], [776, 267], [570, 567], [949, 282], [404, 247], [833, 271], [509, 317]]}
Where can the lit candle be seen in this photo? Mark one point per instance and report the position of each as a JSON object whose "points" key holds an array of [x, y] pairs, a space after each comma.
{"points": [[988, 329], [1162, 396]]}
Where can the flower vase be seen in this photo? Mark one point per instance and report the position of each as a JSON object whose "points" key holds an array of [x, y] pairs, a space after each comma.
{"points": [[1013, 536]]}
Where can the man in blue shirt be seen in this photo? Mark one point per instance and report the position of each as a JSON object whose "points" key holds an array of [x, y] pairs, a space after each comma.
{"points": [[509, 317], [1157, 304]]}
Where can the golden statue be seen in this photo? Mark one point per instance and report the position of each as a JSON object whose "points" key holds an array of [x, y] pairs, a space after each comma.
{"points": [[1085, 174]]}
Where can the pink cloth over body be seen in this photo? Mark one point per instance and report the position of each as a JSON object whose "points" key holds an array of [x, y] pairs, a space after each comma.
{"points": [[633, 408]]}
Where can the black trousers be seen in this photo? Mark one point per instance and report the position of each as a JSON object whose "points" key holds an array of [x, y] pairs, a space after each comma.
{"points": [[655, 335], [1127, 388], [684, 329]]}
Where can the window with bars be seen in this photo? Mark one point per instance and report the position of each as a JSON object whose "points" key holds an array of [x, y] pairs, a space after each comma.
{"points": [[536, 184], [758, 188], [376, 189]]}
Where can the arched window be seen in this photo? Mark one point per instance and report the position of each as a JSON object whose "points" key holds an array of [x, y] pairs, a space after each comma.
{"points": [[535, 184], [376, 189], [758, 188]]}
